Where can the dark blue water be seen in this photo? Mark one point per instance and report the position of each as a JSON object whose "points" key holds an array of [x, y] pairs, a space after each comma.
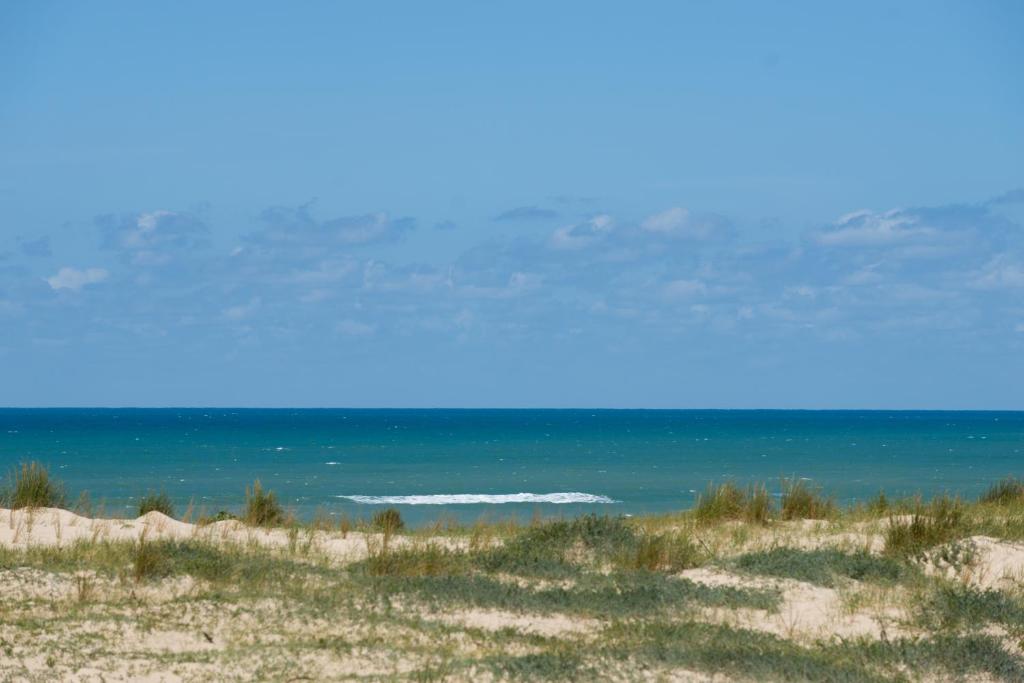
{"points": [[648, 461]]}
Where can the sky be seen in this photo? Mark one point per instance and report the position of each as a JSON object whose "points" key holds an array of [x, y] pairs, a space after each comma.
{"points": [[651, 205]]}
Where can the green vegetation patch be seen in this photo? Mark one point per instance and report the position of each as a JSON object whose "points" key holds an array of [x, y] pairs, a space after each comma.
{"points": [[669, 551], [597, 595], [736, 652], [1009, 491], [156, 502], [727, 501], [388, 520], [957, 606], [957, 656], [801, 501], [556, 548], [429, 559], [30, 486], [824, 566], [227, 567], [940, 521], [262, 508], [759, 656]]}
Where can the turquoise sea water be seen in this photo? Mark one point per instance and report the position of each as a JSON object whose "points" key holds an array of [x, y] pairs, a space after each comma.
{"points": [[354, 461]]}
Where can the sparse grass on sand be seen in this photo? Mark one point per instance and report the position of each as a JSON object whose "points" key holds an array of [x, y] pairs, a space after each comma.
{"points": [[737, 588]]}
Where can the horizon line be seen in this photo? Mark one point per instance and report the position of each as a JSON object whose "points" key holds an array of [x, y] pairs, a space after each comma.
{"points": [[510, 409]]}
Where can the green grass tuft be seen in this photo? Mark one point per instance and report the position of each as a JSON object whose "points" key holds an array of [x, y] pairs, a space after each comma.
{"points": [[758, 507], [32, 487], [388, 521], [148, 561], [800, 501], [159, 502], [727, 501], [670, 552], [427, 560], [941, 521], [1006, 492], [262, 508]]}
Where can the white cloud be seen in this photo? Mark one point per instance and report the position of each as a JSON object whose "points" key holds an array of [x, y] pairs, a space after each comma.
{"points": [[1000, 273], [583, 234], [868, 229], [74, 279], [145, 225], [868, 275], [667, 221], [152, 238], [679, 222]]}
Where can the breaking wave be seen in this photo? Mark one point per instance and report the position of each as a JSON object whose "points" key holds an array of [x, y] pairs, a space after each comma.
{"points": [[478, 498]]}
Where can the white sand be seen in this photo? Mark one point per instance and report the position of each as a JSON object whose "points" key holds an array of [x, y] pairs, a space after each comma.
{"points": [[52, 527]]}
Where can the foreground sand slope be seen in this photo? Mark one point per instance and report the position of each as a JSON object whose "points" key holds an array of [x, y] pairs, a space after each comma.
{"points": [[302, 615]]}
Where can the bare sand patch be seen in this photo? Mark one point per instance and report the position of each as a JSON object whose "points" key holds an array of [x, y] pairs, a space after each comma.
{"points": [[807, 612], [988, 563]]}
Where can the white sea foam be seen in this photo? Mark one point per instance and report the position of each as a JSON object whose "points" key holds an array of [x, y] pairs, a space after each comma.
{"points": [[477, 498]]}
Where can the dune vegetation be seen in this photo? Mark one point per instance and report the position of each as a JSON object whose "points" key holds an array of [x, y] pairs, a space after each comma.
{"points": [[745, 586]]}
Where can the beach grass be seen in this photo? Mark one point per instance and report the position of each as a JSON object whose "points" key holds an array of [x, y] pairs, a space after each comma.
{"points": [[262, 507], [941, 520], [728, 589], [156, 502], [1007, 491], [31, 486], [728, 501], [802, 501]]}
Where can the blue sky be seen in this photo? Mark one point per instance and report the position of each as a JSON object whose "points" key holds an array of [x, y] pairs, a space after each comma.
{"points": [[703, 204]]}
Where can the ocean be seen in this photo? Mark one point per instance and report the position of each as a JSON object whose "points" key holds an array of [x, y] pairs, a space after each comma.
{"points": [[435, 464]]}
